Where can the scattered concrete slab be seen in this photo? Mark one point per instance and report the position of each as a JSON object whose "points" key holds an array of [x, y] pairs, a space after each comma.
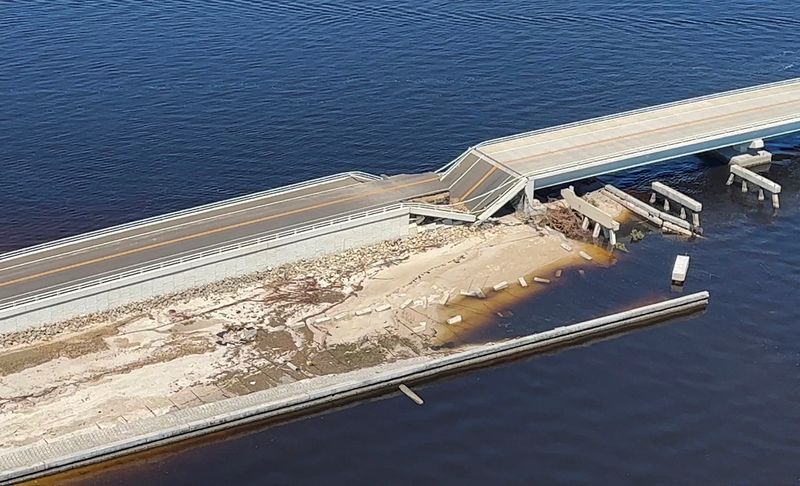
{"points": [[680, 269], [500, 286], [454, 319]]}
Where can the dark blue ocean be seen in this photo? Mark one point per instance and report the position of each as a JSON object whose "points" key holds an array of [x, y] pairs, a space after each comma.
{"points": [[114, 111]]}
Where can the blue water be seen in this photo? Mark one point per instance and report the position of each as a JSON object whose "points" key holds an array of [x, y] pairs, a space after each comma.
{"points": [[113, 111]]}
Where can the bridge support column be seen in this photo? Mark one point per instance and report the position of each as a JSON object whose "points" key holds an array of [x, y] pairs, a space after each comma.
{"points": [[749, 154], [528, 195], [762, 183]]}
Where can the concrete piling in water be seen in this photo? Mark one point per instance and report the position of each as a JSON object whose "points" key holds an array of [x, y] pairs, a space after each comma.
{"points": [[661, 219], [596, 230], [686, 203], [410, 394], [759, 181], [679, 269]]}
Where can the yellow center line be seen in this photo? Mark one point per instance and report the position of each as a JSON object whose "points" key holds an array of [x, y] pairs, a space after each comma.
{"points": [[211, 232], [480, 181]]}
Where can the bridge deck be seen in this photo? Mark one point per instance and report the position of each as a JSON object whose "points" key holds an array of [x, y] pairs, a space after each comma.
{"points": [[89, 259], [564, 148], [482, 179]]}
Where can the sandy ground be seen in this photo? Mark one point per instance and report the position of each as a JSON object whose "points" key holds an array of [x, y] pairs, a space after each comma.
{"points": [[388, 302]]}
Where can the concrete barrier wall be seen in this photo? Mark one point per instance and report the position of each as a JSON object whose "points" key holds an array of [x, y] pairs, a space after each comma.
{"points": [[92, 446], [314, 243]]}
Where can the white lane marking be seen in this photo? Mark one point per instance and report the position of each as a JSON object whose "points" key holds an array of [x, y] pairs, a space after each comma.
{"points": [[631, 124], [188, 223]]}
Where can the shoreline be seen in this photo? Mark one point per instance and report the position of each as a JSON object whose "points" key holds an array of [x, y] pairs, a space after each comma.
{"points": [[268, 330], [300, 398]]}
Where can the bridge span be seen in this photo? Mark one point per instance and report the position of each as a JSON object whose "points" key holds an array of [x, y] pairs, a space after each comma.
{"points": [[107, 268], [489, 174]]}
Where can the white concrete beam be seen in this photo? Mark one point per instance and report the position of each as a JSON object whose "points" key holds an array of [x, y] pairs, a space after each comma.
{"points": [[586, 209], [678, 197], [756, 179]]}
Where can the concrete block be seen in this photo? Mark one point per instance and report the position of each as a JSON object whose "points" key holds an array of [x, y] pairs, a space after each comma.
{"points": [[566, 247], [444, 299], [364, 312], [500, 286], [680, 269], [323, 320], [406, 303], [383, 308], [339, 317], [541, 280], [522, 282], [454, 319], [585, 255], [559, 272]]}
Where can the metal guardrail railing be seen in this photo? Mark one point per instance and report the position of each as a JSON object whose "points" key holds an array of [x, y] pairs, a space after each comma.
{"points": [[447, 167], [201, 254], [641, 110], [184, 212], [673, 143]]}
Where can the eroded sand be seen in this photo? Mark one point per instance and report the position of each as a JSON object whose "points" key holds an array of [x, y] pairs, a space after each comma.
{"points": [[287, 327]]}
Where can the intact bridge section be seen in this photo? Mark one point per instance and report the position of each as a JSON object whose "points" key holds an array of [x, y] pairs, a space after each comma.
{"points": [[733, 124]]}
